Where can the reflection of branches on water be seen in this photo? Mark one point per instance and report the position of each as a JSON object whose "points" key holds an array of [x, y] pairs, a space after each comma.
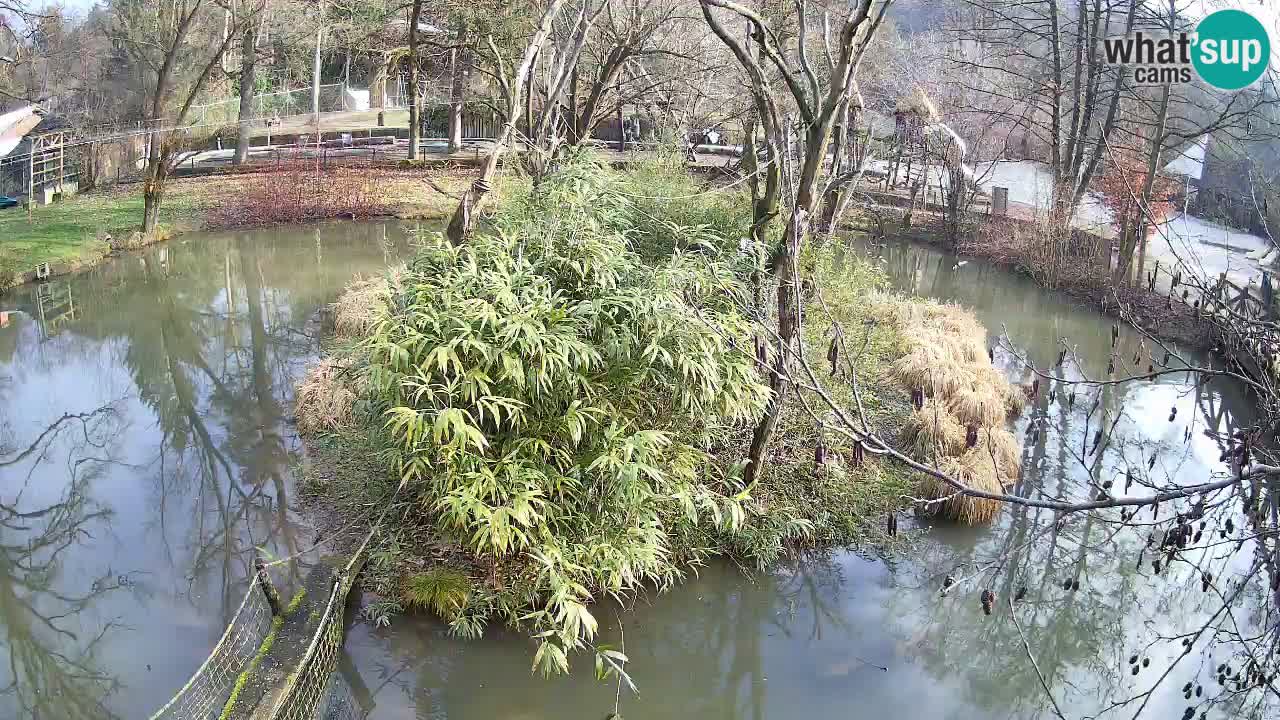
{"points": [[53, 671], [1124, 561], [44, 441], [814, 581], [222, 447]]}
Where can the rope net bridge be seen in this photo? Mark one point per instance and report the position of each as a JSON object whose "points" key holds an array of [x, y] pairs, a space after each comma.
{"points": [[275, 662]]}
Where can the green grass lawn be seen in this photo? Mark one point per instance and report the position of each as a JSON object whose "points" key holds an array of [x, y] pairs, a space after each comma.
{"points": [[68, 230]]}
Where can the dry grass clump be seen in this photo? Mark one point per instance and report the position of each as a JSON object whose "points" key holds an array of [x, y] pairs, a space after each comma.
{"points": [[968, 401], [363, 304], [1014, 398], [975, 470], [933, 432], [1001, 451], [978, 407], [324, 400], [928, 367]]}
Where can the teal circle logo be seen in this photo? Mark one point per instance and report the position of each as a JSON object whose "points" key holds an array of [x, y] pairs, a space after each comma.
{"points": [[1231, 49]]}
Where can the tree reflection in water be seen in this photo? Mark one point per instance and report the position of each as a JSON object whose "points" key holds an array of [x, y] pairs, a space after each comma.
{"points": [[1082, 437], [202, 341], [53, 668]]}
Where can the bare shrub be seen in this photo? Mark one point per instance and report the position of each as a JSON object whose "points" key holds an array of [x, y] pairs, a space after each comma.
{"points": [[298, 192]]}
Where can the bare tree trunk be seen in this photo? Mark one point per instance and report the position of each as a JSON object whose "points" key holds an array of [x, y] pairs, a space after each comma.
{"points": [[248, 81], [956, 205], [415, 125], [571, 126], [457, 70], [463, 220], [832, 198], [1146, 218], [164, 146], [590, 113], [153, 186], [315, 72], [797, 232], [818, 107]]}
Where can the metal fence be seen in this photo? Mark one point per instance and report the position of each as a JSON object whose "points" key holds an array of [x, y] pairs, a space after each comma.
{"points": [[309, 690], [206, 693], [280, 104]]}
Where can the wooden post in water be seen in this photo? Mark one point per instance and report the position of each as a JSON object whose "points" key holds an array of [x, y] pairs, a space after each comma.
{"points": [[268, 588], [1000, 201]]}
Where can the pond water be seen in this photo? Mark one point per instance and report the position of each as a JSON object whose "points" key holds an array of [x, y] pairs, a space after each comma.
{"points": [[145, 452]]}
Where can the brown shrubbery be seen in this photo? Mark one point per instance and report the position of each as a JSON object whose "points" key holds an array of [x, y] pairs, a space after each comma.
{"points": [[325, 398], [328, 392], [298, 192], [363, 303]]}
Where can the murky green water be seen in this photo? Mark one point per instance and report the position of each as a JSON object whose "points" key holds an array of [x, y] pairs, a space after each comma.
{"points": [[145, 453], [126, 528], [850, 636]]}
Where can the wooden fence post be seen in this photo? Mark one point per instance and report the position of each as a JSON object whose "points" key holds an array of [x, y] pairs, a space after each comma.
{"points": [[1268, 297], [268, 589]]}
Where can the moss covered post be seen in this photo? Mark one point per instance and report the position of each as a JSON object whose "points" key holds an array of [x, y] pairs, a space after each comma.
{"points": [[268, 588]]}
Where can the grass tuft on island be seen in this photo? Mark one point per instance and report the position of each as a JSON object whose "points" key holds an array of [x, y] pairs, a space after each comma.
{"points": [[554, 417]]}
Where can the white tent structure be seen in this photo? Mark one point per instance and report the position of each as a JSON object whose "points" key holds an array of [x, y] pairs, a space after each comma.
{"points": [[1190, 161], [15, 125]]}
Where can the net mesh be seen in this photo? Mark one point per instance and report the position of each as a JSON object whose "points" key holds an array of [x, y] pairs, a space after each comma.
{"points": [[309, 684], [286, 103], [307, 692], [339, 702], [207, 691]]}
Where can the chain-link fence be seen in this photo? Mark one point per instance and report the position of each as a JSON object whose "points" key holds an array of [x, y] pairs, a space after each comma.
{"points": [[206, 693], [309, 685], [309, 691], [285, 103]]}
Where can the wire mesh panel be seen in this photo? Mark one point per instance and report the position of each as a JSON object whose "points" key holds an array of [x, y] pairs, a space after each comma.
{"points": [[207, 691], [285, 103], [308, 685], [339, 702]]}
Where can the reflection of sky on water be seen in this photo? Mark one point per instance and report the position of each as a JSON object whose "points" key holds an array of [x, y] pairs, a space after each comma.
{"points": [[193, 463], [185, 356], [806, 641]]}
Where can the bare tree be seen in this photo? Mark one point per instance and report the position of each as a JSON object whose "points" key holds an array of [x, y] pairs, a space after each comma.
{"points": [[817, 102], [248, 90], [559, 62], [415, 119], [510, 86], [459, 73], [626, 33], [178, 45]]}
